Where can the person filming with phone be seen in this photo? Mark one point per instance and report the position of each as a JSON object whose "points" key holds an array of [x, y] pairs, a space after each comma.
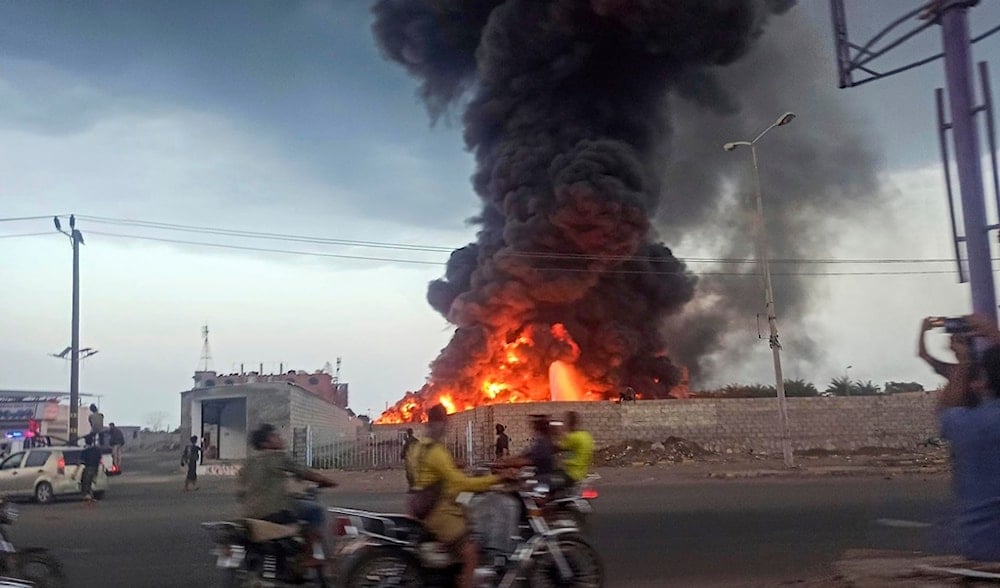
{"points": [[969, 416]]}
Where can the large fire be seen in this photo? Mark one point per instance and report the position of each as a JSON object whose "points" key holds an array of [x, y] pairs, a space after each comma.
{"points": [[514, 372], [517, 370]]}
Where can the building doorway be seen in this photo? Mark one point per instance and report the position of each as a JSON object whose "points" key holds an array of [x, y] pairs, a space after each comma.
{"points": [[224, 428]]}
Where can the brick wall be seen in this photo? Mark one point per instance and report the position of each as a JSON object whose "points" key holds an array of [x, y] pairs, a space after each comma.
{"points": [[723, 425], [308, 410]]}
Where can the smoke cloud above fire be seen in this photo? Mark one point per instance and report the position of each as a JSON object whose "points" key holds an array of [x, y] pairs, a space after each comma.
{"points": [[570, 108]]}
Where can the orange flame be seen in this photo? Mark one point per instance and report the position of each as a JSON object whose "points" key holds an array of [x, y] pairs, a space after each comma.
{"points": [[448, 404], [529, 365]]}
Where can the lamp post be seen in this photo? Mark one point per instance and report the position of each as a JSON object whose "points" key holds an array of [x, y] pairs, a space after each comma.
{"points": [[76, 237], [772, 321]]}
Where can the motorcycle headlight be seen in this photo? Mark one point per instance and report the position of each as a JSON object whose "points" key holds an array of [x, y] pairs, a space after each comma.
{"points": [[8, 513]]}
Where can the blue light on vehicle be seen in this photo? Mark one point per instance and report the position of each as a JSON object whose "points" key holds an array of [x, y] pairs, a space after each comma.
{"points": [[15, 434]]}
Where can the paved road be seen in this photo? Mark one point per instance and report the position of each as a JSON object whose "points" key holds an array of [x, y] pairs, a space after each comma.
{"points": [[736, 533]]}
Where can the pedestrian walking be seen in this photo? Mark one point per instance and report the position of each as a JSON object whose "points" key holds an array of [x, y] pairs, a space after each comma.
{"points": [[96, 420], [90, 461], [190, 458], [117, 439], [408, 441]]}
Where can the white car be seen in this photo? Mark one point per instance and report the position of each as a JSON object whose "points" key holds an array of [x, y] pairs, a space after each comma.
{"points": [[44, 473]]}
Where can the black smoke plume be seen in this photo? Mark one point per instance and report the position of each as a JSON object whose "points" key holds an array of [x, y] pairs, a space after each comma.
{"points": [[568, 108]]}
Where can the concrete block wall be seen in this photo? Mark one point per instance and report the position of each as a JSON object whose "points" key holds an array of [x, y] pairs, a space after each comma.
{"points": [[325, 418], [722, 425]]}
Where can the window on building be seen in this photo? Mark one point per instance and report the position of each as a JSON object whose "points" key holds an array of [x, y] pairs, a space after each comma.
{"points": [[209, 383], [36, 459]]}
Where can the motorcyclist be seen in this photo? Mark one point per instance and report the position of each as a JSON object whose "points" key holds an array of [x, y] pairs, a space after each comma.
{"points": [[431, 464], [541, 454], [263, 487], [579, 447]]}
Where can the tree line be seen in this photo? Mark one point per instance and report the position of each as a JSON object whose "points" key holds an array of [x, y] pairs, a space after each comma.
{"points": [[842, 386]]}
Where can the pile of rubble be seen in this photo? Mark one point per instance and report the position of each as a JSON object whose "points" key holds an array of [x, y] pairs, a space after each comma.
{"points": [[670, 450]]}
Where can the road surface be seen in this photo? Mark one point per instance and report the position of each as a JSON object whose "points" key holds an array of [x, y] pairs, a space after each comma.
{"points": [[688, 533]]}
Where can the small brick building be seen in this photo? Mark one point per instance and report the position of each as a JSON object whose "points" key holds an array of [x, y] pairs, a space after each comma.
{"points": [[223, 410]]}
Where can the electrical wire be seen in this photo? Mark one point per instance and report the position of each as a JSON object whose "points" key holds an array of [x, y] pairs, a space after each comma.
{"points": [[558, 269], [25, 235], [444, 249], [537, 256], [28, 218]]}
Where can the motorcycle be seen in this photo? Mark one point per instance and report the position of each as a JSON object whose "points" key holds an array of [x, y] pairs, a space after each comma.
{"points": [[573, 507], [253, 552], [395, 550], [32, 566]]}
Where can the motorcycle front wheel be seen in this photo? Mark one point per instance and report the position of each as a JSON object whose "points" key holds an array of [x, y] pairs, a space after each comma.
{"points": [[41, 569], [385, 568], [586, 570]]}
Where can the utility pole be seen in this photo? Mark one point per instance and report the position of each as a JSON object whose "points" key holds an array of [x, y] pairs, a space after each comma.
{"points": [[76, 237], [954, 18], [760, 236]]}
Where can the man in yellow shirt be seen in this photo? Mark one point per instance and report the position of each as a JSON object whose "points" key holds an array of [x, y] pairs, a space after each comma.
{"points": [[579, 446], [431, 463]]}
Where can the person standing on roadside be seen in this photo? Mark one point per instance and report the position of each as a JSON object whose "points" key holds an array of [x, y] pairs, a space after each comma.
{"points": [[970, 422], [408, 441], [503, 442], [96, 420], [190, 458], [90, 461], [117, 440]]}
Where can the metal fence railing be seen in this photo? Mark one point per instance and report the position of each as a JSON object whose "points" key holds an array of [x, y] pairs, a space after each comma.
{"points": [[372, 451]]}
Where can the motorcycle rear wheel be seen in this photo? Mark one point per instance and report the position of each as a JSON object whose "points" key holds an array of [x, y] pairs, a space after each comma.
{"points": [[585, 564], [385, 568], [41, 569]]}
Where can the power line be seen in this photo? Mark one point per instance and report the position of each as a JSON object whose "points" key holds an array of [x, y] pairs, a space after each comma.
{"points": [[25, 235], [12, 219], [448, 249], [558, 269], [553, 256]]}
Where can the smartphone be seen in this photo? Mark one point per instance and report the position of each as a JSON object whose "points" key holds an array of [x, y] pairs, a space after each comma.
{"points": [[955, 326]]}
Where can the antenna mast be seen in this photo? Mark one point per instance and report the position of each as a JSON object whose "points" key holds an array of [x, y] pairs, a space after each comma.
{"points": [[336, 374], [206, 350]]}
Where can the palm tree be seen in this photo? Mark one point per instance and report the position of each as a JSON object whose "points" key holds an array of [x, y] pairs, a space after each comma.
{"points": [[868, 388], [841, 386], [799, 388]]}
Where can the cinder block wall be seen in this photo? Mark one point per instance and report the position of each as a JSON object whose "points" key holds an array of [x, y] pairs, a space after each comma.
{"points": [[723, 425]]}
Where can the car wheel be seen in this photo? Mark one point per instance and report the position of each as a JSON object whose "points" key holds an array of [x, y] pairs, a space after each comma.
{"points": [[43, 493], [99, 494]]}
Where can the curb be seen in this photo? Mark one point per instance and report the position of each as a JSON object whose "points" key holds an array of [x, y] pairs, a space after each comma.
{"points": [[831, 472]]}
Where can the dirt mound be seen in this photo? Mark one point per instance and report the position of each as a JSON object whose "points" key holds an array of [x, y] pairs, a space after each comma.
{"points": [[671, 450]]}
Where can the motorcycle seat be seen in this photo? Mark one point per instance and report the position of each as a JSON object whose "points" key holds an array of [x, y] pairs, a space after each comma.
{"points": [[406, 528], [263, 531]]}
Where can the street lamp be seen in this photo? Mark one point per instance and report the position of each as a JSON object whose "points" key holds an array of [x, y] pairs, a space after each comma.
{"points": [[76, 237], [772, 321]]}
